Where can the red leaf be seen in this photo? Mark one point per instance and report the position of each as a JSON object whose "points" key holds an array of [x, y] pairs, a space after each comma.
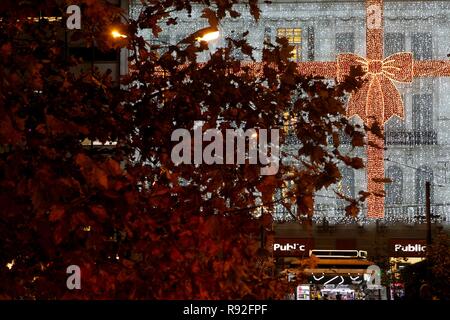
{"points": [[358, 140], [352, 210], [234, 14], [100, 212], [254, 9], [101, 178], [6, 49], [114, 167], [211, 16], [56, 213], [175, 255], [171, 21]]}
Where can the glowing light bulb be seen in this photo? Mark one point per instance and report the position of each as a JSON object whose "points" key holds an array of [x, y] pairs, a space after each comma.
{"points": [[116, 34], [209, 36]]}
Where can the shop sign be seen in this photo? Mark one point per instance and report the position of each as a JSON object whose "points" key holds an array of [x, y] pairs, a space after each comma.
{"points": [[407, 247], [292, 247]]}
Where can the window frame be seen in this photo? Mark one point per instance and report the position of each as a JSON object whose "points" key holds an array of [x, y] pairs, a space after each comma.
{"points": [[295, 37]]}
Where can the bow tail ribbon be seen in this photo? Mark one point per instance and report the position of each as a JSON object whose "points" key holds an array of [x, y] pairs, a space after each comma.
{"points": [[378, 99]]}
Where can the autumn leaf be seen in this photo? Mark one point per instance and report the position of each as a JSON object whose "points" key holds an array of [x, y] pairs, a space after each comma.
{"points": [[364, 195], [211, 16], [175, 255], [9, 134], [156, 30], [374, 145], [171, 21], [247, 49], [357, 163], [336, 139], [56, 213], [100, 177], [55, 125], [254, 9], [358, 139], [58, 234], [305, 204], [99, 212], [6, 50], [352, 210], [234, 14], [376, 129], [114, 167], [354, 162], [267, 188]]}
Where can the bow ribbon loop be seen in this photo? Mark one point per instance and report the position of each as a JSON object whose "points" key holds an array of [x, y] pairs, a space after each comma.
{"points": [[378, 96]]}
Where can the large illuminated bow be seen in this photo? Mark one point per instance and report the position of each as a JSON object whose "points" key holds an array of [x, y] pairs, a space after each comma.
{"points": [[379, 91]]}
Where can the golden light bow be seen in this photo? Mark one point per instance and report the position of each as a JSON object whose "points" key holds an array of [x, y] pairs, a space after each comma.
{"points": [[379, 89]]}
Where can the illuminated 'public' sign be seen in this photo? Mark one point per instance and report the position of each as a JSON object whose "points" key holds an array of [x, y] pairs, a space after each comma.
{"points": [[292, 247], [407, 247]]}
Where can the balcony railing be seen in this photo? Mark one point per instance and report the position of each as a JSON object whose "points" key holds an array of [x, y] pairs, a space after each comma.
{"points": [[411, 138], [406, 213], [416, 213]]}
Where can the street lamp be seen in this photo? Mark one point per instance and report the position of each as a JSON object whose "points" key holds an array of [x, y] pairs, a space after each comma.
{"points": [[210, 36], [116, 34], [206, 34]]}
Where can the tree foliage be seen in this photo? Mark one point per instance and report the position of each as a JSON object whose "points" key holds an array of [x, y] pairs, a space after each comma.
{"points": [[432, 273], [438, 256], [138, 225]]}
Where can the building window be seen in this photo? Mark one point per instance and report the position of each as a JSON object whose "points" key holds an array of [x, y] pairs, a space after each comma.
{"points": [[423, 112], [280, 210], [162, 40], [394, 124], [393, 43], [160, 44], [236, 52], [311, 43], [294, 36], [345, 42], [443, 175], [423, 174], [346, 186], [267, 34], [422, 46], [394, 189]]}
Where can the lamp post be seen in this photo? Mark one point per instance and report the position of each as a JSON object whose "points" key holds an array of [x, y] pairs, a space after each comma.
{"points": [[118, 36], [428, 211]]}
